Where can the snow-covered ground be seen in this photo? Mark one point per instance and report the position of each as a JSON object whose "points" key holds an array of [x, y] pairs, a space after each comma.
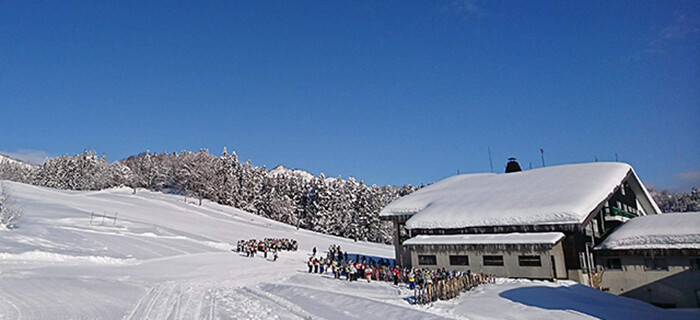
{"points": [[168, 259]]}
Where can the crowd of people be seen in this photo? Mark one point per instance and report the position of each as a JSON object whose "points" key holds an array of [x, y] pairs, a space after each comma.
{"points": [[253, 246], [427, 285]]}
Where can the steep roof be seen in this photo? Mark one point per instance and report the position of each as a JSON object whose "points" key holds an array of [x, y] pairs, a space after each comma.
{"points": [[662, 231], [500, 239], [564, 194]]}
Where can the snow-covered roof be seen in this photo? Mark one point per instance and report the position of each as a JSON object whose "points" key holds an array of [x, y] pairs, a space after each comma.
{"points": [[662, 231], [541, 238], [564, 194]]}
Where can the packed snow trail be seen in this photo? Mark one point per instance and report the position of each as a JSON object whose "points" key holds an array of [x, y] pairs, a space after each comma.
{"points": [[165, 258]]}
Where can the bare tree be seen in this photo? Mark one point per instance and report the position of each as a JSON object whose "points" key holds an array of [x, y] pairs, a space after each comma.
{"points": [[10, 212]]}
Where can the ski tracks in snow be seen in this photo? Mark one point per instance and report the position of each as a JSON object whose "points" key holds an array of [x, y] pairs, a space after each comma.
{"points": [[183, 300]]}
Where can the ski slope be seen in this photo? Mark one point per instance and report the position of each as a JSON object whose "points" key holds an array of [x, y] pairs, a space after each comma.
{"points": [[165, 258]]}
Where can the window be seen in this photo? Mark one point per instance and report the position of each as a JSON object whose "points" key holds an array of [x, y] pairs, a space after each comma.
{"points": [[427, 260], [695, 264], [613, 264], [655, 264], [529, 261], [459, 260], [493, 260]]}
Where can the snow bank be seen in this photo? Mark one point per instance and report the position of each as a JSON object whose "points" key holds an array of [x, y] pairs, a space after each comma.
{"points": [[547, 238], [663, 231], [553, 195]]}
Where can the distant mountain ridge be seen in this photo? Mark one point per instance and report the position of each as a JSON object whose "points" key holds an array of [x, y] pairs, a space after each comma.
{"points": [[281, 170], [5, 159]]}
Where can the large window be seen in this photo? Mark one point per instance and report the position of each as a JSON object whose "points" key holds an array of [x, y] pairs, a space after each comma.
{"points": [[427, 260], [529, 261], [695, 265], [459, 260], [653, 264], [613, 264], [493, 260]]}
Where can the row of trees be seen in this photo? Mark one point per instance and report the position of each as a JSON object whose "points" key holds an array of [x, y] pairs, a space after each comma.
{"points": [[677, 202], [346, 208]]}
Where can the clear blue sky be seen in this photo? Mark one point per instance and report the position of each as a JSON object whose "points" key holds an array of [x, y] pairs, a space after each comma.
{"points": [[391, 92]]}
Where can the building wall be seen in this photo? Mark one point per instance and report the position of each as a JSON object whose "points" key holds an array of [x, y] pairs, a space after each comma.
{"points": [[510, 268], [676, 286]]}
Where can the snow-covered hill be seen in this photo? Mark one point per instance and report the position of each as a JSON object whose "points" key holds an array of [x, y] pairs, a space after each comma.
{"points": [[165, 258]]}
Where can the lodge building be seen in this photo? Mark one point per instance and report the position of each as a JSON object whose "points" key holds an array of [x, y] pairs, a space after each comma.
{"points": [[541, 224]]}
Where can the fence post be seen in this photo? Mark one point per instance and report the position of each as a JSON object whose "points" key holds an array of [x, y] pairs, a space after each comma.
{"points": [[115, 218]]}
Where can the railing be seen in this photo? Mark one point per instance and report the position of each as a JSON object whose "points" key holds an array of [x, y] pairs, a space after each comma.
{"points": [[615, 211]]}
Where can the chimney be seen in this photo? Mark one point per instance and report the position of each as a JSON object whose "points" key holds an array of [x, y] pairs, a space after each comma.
{"points": [[512, 166]]}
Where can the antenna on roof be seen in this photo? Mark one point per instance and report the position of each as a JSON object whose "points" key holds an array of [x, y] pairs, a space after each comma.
{"points": [[530, 165], [616, 159], [490, 161], [542, 154], [596, 158]]}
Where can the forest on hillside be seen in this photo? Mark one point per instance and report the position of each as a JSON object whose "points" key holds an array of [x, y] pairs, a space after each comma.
{"points": [[336, 206]]}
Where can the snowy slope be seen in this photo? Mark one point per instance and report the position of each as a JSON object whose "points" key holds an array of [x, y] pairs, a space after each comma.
{"points": [[663, 231], [563, 194], [167, 259]]}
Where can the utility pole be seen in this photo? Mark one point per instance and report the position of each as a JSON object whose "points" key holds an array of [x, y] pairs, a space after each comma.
{"points": [[542, 154], [490, 161]]}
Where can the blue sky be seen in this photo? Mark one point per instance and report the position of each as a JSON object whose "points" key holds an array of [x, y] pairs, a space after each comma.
{"points": [[391, 92]]}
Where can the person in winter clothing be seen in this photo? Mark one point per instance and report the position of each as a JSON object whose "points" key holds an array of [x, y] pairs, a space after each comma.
{"points": [[411, 280], [352, 271], [368, 273], [310, 264]]}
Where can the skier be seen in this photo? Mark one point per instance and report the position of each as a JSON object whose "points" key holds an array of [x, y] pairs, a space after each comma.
{"points": [[274, 254], [314, 252], [411, 280], [368, 273], [310, 264]]}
